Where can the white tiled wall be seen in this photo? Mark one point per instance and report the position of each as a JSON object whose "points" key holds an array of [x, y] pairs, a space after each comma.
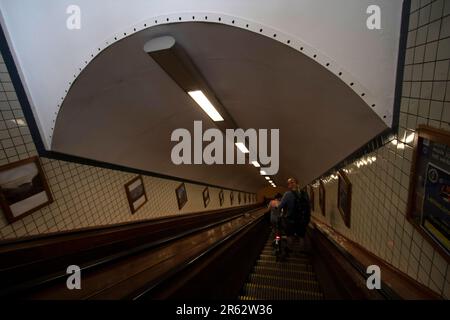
{"points": [[380, 187], [84, 195]]}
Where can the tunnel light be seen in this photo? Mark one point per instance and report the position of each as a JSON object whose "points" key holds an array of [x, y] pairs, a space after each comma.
{"points": [[409, 138], [262, 172], [267, 178], [256, 164], [205, 104], [242, 147]]}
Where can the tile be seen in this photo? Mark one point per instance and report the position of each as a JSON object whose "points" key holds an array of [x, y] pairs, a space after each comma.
{"points": [[443, 51], [433, 31], [436, 110], [445, 28], [441, 71], [430, 51], [437, 8], [439, 88]]}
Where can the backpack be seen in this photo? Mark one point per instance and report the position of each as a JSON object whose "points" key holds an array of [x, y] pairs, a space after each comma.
{"points": [[302, 208]]}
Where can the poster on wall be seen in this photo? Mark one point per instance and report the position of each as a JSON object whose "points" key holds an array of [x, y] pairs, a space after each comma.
{"points": [[221, 198], [429, 199], [23, 188], [322, 197], [344, 197], [311, 198], [136, 195], [206, 199], [181, 195]]}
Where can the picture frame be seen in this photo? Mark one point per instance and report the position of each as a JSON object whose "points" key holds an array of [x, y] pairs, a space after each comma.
{"points": [[322, 198], [428, 208], [311, 198], [344, 197], [221, 197], [23, 188], [181, 195], [136, 195], [231, 197], [206, 199]]}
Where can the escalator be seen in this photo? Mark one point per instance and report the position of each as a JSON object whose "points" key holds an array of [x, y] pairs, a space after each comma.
{"points": [[292, 279], [216, 255]]}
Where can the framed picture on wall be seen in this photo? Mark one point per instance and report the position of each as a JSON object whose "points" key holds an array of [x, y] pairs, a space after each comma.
{"points": [[136, 195], [181, 195], [311, 197], [221, 198], [344, 197], [322, 199], [23, 188], [429, 198], [206, 199], [231, 197]]}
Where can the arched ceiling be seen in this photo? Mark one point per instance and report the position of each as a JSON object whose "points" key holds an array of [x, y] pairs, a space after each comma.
{"points": [[123, 107]]}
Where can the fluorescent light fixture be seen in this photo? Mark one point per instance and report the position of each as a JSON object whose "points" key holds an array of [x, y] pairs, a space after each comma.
{"points": [[205, 104], [242, 147], [256, 164], [267, 178], [263, 173]]}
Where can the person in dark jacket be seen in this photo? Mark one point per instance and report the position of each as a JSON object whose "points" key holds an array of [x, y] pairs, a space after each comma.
{"points": [[295, 206]]}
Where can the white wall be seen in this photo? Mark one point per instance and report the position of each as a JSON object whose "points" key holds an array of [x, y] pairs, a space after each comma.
{"points": [[49, 56]]}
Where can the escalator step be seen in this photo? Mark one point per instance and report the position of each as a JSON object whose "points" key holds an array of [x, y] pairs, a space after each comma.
{"points": [[292, 274], [288, 283], [246, 298], [284, 265], [294, 259], [277, 293]]}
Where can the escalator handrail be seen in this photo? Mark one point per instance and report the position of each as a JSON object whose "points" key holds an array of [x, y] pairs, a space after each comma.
{"points": [[111, 258], [386, 290], [191, 261]]}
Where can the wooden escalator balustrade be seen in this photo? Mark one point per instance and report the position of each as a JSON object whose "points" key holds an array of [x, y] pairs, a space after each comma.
{"points": [[28, 265]]}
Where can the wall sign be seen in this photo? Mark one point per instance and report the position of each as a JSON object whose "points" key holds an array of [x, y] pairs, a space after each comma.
{"points": [[23, 188], [206, 198], [136, 194], [344, 197], [429, 198], [181, 195], [322, 198], [221, 198], [311, 198]]}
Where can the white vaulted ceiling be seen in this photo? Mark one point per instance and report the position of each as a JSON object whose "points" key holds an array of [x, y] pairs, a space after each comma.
{"points": [[283, 64], [123, 106]]}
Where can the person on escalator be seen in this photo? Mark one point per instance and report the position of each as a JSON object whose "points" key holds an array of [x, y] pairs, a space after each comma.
{"points": [[274, 210], [296, 212]]}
